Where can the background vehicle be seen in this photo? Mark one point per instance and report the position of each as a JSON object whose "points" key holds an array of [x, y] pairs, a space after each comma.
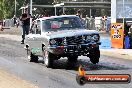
{"points": [[62, 36]]}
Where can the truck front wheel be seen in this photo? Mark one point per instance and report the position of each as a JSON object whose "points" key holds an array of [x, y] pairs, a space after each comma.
{"points": [[48, 59], [94, 56]]}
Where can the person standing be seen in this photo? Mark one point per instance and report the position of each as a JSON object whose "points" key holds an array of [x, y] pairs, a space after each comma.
{"points": [[79, 14], [14, 20], [25, 18], [130, 36], [4, 21], [17, 22]]}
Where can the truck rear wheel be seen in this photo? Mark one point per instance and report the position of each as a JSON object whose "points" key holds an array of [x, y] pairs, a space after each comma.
{"points": [[32, 57]]}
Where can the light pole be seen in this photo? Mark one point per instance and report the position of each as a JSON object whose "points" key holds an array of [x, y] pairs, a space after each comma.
{"points": [[55, 11], [31, 7], [123, 12], [31, 2], [15, 7]]}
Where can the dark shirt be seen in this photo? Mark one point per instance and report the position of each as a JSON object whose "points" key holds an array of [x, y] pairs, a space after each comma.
{"points": [[14, 20], [25, 19], [126, 29], [26, 22]]}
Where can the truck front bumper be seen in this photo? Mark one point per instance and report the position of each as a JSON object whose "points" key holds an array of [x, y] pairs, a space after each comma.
{"points": [[80, 49]]}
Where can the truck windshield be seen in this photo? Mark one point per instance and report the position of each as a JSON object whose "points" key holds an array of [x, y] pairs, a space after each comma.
{"points": [[62, 23]]}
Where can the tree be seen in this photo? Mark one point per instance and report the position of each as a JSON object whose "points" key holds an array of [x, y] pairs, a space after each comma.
{"points": [[1, 9], [7, 7]]}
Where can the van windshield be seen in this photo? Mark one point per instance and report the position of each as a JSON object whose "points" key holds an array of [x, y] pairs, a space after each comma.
{"points": [[62, 23]]}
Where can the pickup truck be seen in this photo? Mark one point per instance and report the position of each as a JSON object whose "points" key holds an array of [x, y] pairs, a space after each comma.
{"points": [[62, 36]]}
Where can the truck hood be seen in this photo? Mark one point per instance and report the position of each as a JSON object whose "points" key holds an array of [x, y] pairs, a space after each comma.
{"points": [[69, 33]]}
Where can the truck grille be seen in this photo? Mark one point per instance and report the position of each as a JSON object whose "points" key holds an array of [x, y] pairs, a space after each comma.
{"points": [[74, 40]]}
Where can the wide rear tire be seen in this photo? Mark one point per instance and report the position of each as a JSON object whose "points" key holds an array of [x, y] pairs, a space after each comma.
{"points": [[32, 58]]}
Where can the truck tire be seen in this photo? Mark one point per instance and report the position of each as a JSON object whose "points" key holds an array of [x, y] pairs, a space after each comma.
{"points": [[94, 56], [32, 57], [48, 59]]}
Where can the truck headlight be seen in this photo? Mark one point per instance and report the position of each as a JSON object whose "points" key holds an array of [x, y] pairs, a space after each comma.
{"points": [[64, 41], [95, 37], [53, 42], [88, 38]]}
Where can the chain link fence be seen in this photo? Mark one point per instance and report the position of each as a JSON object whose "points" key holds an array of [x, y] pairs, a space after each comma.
{"points": [[97, 24], [90, 23], [7, 23]]}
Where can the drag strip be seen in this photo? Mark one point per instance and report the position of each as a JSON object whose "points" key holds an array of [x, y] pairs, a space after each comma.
{"points": [[63, 75]]}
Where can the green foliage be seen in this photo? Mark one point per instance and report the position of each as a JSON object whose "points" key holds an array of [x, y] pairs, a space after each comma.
{"points": [[7, 7]]}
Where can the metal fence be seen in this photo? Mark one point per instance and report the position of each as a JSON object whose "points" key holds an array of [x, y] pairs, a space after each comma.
{"points": [[97, 24], [9, 23], [90, 23]]}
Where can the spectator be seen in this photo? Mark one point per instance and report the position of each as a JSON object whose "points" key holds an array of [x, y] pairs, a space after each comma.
{"points": [[130, 36], [17, 22], [25, 18], [14, 20], [4, 22], [79, 14]]}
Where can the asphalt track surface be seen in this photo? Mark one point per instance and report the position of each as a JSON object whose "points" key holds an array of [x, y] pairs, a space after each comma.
{"points": [[63, 75]]}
